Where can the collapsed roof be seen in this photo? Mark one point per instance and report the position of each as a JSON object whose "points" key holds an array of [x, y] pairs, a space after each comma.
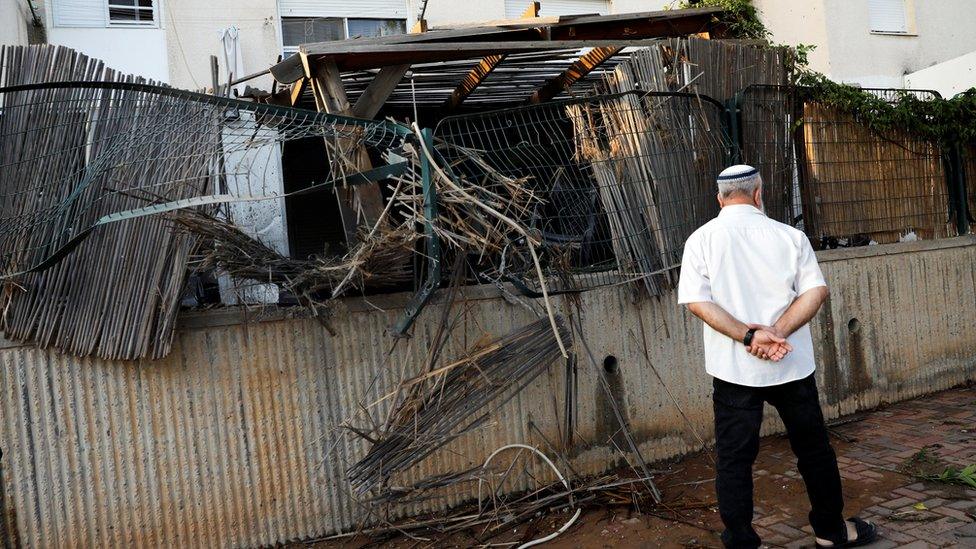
{"points": [[533, 59]]}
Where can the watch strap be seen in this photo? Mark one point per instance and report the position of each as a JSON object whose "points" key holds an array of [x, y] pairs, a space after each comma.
{"points": [[747, 340]]}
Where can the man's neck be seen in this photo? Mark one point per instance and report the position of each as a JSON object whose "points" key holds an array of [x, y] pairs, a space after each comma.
{"points": [[738, 202]]}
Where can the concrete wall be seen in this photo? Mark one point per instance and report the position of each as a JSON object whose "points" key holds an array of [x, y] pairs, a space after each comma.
{"points": [[193, 30], [948, 78], [223, 443]]}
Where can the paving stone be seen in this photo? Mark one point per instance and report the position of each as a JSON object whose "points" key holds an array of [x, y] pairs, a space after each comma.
{"points": [[918, 544], [962, 504], [899, 537], [900, 502], [967, 531], [950, 512], [882, 544], [787, 530]]}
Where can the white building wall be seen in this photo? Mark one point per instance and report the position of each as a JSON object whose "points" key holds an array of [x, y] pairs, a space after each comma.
{"points": [[440, 12], [134, 51], [794, 23], [637, 6], [846, 49], [948, 78], [14, 18], [193, 30], [941, 31], [139, 51]]}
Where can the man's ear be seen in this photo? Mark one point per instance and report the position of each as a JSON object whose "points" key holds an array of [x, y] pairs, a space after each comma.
{"points": [[721, 203], [757, 196]]}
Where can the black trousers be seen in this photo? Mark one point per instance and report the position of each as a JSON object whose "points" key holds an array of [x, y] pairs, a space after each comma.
{"points": [[738, 415]]}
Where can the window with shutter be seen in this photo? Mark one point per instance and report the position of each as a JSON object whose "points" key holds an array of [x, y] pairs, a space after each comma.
{"points": [[78, 13], [103, 13], [888, 16], [132, 13]]}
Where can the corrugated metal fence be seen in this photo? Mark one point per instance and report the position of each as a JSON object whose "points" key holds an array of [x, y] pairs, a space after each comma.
{"points": [[224, 442]]}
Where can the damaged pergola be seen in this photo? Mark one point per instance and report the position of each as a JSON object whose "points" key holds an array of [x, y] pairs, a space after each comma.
{"points": [[528, 60], [444, 71]]}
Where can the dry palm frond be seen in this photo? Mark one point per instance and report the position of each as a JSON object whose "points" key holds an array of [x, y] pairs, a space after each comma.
{"points": [[381, 260]]}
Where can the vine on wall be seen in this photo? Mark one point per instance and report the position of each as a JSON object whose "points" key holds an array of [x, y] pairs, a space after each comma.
{"points": [[941, 120]]}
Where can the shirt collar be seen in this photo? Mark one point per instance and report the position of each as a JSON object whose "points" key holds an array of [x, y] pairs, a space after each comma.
{"points": [[739, 209]]}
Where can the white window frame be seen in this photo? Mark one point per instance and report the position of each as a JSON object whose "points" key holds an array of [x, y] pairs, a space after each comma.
{"points": [[291, 50], [128, 25], [910, 29]]}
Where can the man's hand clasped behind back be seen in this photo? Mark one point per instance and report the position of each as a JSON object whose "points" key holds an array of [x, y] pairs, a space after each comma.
{"points": [[768, 343]]}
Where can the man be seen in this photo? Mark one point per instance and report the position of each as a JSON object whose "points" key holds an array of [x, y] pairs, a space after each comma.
{"points": [[756, 284]]}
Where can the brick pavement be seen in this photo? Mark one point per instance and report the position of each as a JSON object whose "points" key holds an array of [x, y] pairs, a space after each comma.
{"points": [[873, 452]]}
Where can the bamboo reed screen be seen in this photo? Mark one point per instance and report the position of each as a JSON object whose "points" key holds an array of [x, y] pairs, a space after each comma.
{"points": [[84, 267], [969, 171], [841, 182], [859, 184]]}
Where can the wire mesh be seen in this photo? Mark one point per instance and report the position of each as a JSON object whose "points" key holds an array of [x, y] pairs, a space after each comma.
{"points": [[968, 158], [843, 183], [77, 157], [622, 180]]}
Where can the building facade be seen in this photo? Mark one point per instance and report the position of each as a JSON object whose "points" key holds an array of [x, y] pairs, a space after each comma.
{"points": [[871, 43], [172, 40], [874, 43]]}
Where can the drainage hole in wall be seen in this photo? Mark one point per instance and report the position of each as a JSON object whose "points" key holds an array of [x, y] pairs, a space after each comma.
{"points": [[610, 364], [854, 325]]}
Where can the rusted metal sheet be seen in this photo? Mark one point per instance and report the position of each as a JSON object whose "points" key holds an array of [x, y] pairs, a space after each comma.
{"points": [[224, 442]]}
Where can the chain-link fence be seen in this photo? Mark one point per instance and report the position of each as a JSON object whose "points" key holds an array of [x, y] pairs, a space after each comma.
{"points": [[622, 181], [843, 183], [77, 157]]}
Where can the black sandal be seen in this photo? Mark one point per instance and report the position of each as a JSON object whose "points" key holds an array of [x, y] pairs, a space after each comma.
{"points": [[867, 533]]}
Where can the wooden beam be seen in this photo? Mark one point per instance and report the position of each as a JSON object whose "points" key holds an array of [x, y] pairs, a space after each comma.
{"points": [[576, 72], [297, 89], [326, 76], [361, 205], [472, 80], [507, 36], [379, 90], [361, 57], [531, 12]]}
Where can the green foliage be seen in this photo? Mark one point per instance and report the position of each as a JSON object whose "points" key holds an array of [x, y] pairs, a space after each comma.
{"points": [[965, 476], [741, 17], [943, 121]]}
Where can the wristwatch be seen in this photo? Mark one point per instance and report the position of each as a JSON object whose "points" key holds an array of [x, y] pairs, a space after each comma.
{"points": [[747, 341]]}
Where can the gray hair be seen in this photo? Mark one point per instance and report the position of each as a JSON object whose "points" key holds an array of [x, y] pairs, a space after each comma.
{"points": [[737, 179]]}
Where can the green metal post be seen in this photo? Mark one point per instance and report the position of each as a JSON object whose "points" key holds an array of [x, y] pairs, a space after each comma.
{"points": [[433, 277], [732, 114], [959, 191]]}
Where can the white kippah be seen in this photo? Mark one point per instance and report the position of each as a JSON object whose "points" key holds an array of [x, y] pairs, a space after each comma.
{"points": [[737, 173]]}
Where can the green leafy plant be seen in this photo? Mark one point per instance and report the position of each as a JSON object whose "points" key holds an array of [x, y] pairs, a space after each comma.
{"points": [[740, 17], [965, 476], [943, 121]]}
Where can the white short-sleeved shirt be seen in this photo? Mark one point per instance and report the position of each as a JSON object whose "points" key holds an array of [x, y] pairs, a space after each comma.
{"points": [[753, 267]]}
